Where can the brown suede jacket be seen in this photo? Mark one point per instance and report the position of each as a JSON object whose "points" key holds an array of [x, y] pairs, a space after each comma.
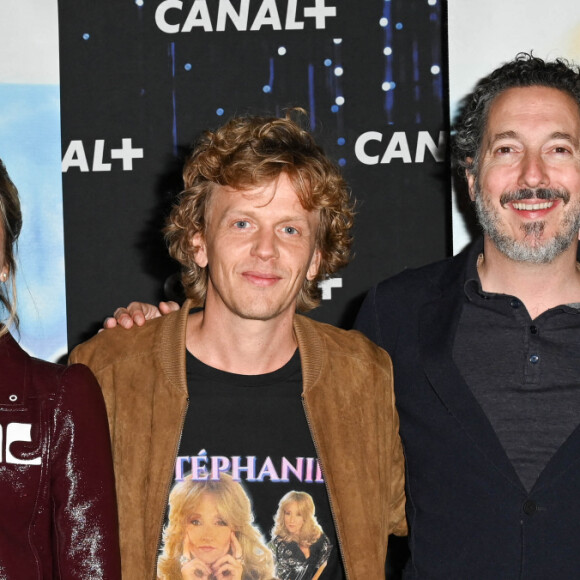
{"points": [[349, 403]]}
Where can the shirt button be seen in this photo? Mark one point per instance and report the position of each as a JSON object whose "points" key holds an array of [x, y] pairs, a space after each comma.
{"points": [[534, 329], [534, 359], [515, 303], [530, 507]]}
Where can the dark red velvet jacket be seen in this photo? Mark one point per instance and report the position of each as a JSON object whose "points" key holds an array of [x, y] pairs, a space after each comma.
{"points": [[58, 514]]}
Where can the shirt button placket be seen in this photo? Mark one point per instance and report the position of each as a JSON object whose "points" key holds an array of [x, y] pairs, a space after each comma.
{"points": [[530, 507], [533, 356]]}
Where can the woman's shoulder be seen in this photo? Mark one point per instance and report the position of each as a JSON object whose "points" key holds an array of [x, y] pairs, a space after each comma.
{"points": [[277, 541], [321, 543]]}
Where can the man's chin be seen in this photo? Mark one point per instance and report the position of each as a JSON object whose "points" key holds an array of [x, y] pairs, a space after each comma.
{"points": [[534, 251], [263, 314]]}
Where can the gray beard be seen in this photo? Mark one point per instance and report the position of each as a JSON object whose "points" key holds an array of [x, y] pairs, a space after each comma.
{"points": [[531, 249]]}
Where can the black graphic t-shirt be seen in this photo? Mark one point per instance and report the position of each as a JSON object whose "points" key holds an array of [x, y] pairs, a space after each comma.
{"points": [[249, 499]]}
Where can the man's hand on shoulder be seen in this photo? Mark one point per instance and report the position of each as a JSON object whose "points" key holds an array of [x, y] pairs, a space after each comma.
{"points": [[138, 313]]}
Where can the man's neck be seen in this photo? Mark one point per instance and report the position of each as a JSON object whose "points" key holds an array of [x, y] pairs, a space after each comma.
{"points": [[539, 286], [235, 345]]}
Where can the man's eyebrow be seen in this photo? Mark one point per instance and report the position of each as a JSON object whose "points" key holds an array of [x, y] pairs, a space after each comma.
{"points": [[503, 135], [514, 135], [253, 213], [565, 137]]}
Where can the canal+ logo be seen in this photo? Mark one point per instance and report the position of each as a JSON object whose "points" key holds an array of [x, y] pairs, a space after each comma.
{"points": [[173, 16]]}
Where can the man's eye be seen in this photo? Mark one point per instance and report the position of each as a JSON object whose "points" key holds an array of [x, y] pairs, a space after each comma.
{"points": [[242, 224], [504, 150], [290, 230]]}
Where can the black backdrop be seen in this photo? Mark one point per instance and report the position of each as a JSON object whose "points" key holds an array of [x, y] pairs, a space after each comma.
{"points": [[131, 87]]}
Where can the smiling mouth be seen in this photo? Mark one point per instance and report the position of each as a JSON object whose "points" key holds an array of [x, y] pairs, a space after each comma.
{"points": [[532, 206]]}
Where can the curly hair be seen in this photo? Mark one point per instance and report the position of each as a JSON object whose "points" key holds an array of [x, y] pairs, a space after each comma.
{"points": [[311, 529], [525, 70], [252, 151], [11, 224], [233, 506]]}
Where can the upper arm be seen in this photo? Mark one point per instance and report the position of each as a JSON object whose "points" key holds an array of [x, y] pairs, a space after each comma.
{"points": [[82, 484]]}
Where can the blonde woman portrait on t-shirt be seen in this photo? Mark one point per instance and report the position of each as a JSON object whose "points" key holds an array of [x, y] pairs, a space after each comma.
{"points": [[300, 547], [210, 534]]}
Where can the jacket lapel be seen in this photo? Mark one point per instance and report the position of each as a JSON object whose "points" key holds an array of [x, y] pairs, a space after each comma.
{"points": [[438, 322], [565, 457]]}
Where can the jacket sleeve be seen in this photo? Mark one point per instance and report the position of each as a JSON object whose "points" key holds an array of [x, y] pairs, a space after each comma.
{"points": [[398, 518], [377, 326], [85, 526]]}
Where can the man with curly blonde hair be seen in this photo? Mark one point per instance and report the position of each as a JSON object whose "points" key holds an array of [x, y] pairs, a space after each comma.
{"points": [[236, 381], [248, 153]]}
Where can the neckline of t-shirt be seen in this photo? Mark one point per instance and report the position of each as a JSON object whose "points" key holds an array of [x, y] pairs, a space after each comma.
{"points": [[290, 369]]}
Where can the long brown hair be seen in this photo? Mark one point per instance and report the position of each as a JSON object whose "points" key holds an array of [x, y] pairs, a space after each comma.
{"points": [[11, 224]]}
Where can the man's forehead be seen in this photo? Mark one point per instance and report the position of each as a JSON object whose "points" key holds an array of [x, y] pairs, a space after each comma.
{"points": [[267, 199], [522, 104], [263, 194], [522, 100]]}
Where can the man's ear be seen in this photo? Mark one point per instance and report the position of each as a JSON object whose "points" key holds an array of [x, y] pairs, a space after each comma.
{"points": [[199, 249], [470, 179], [314, 265]]}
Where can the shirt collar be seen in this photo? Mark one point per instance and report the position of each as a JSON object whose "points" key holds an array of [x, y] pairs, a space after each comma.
{"points": [[472, 283]]}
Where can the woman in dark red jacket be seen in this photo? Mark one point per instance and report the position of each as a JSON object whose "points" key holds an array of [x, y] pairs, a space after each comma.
{"points": [[57, 494]]}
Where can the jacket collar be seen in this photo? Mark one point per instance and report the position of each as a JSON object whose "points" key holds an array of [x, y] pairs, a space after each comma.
{"points": [[15, 366], [172, 338], [309, 347]]}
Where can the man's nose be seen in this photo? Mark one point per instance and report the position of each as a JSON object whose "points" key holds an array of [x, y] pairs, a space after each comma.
{"points": [[265, 245], [533, 171]]}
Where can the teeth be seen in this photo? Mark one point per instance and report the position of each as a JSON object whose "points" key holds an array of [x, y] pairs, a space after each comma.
{"points": [[533, 206]]}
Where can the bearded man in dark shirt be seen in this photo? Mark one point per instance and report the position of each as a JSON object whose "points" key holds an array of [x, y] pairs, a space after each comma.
{"points": [[485, 345]]}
